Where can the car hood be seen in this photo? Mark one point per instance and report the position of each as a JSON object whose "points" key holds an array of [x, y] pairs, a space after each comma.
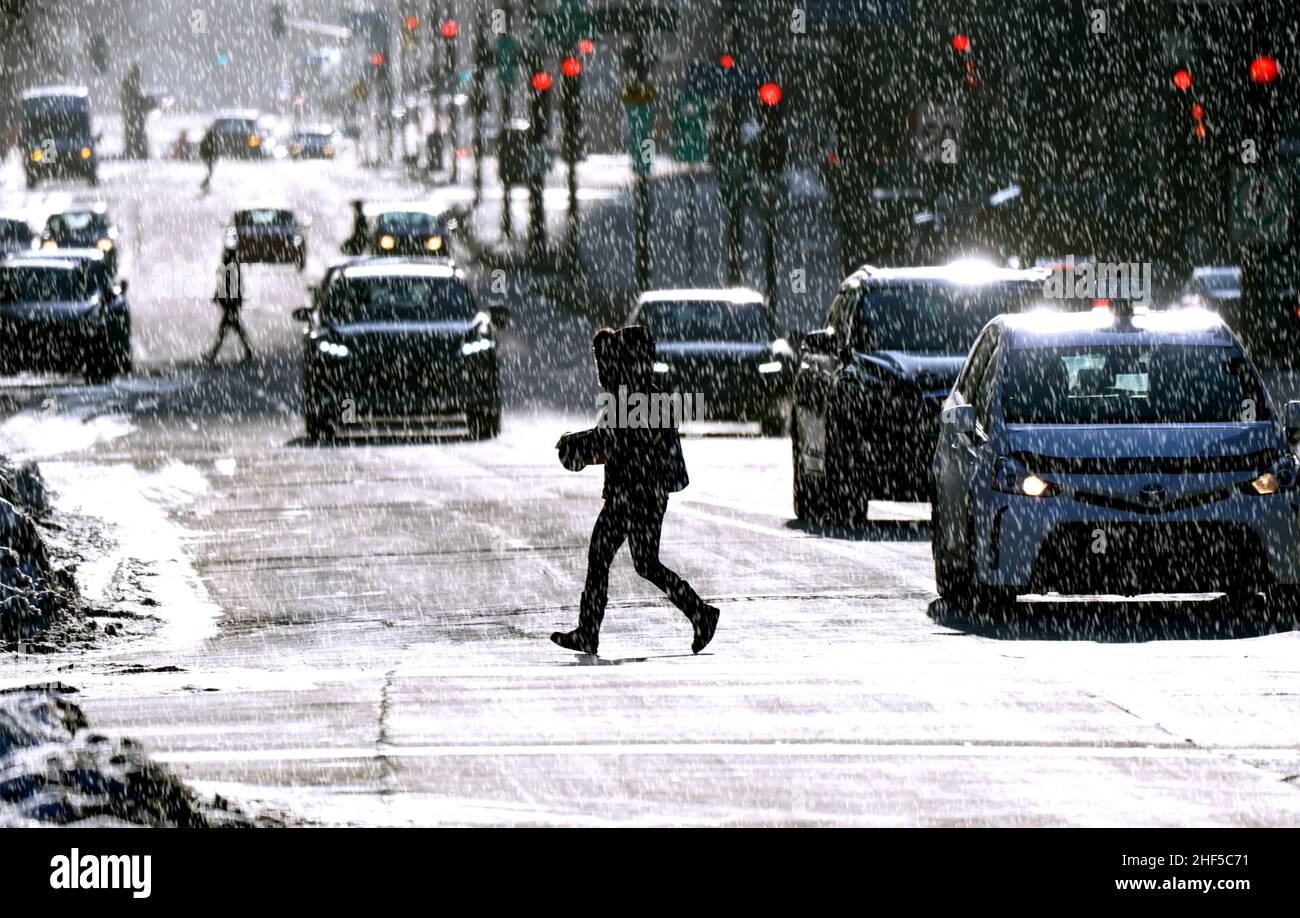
{"points": [[1120, 459], [360, 331], [929, 371], [56, 311], [268, 231]]}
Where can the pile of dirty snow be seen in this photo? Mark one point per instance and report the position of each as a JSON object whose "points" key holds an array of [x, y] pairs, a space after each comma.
{"points": [[54, 771], [38, 599]]}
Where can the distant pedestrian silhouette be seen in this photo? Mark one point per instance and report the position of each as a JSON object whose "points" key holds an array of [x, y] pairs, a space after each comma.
{"points": [[230, 297], [208, 153], [643, 465]]}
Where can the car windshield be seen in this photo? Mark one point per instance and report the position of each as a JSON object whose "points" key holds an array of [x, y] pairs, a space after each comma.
{"points": [[235, 126], [407, 222], [938, 318], [1131, 384], [67, 123], [43, 284], [76, 222], [685, 320], [402, 299], [264, 218]]}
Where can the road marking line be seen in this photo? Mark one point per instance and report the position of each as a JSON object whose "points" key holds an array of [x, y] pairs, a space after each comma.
{"points": [[775, 749]]}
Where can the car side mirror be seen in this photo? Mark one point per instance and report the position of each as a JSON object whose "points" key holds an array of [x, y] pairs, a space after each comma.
{"points": [[500, 315], [302, 314], [1291, 419], [122, 286], [821, 341], [959, 419]]}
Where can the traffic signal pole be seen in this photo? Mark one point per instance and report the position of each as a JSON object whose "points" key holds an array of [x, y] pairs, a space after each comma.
{"points": [[536, 149], [731, 142], [504, 78], [571, 116], [478, 94]]}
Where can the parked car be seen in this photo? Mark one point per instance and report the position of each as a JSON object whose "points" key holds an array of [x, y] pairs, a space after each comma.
{"points": [[15, 235], [722, 346], [313, 142], [870, 383], [64, 312], [58, 137], [267, 235], [86, 226], [1110, 452], [399, 343]]}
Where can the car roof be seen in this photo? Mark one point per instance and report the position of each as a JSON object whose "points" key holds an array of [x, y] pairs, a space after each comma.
{"points": [[972, 272], [280, 209], [62, 254], [47, 92], [83, 207], [37, 260], [1047, 328], [736, 296], [241, 114], [401, 267]]}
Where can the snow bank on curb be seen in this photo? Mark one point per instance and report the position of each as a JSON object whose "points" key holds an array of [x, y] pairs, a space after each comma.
{"points": [[54, 771], [35, 596]]}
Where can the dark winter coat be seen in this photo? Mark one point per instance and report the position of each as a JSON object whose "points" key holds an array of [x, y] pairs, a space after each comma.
{"points": [[642, 463]]}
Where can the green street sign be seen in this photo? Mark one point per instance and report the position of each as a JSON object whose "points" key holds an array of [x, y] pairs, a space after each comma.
{"points": [[640, 136], [507, 59], [568, 24], [690, 128]]}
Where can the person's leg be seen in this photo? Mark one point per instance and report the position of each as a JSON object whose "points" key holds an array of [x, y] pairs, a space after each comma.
{"points": [[221, 338], [243, 336], [606, 537], [645, 526]]}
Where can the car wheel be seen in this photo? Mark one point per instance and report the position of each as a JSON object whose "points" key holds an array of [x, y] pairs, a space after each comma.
{"points": [[99, 370], [773, 424], [953, 576], [302, 261], [484, 424], [1284, 599], [318, 428], [31, 182], [846, 494], [807, 500]]}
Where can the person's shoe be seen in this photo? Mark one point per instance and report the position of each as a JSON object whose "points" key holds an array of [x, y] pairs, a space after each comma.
{"points": [[574, 640], [705, 622]]}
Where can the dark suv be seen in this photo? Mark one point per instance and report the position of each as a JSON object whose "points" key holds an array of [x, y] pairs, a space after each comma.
{"points": [[870, 384], [399, 343]]}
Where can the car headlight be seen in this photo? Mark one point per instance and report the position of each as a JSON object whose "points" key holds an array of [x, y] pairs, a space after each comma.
{"points": [[37, 155], [297, 148], [660, 367], [476, 347], [332, 349], [297, 241], [85, 152], [254, 140], [231, 238], [329, 151], [387, 243], [772, 366], [1281, 477], [105, 244], [1011, 477], [434, 244], [782, 348]]}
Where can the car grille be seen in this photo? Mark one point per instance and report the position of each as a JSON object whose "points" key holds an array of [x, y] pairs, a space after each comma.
{"points": [[1133, 505], [1155, 556]]}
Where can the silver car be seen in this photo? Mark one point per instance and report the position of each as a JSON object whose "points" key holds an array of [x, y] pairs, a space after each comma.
{"points": [[1112, 453]]}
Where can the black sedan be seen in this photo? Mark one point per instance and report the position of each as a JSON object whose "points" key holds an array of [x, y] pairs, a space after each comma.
{"points": [[267, 234], [63, 312], [85, 227], [410, 232], [871, 383], [313, 143], [721, 347], [15, 235], [399, 343]]}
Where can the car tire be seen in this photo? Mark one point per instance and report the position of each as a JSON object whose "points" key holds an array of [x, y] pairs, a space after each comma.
{"points": [[1284, 599], [953, 577], [318, 429], [31, 181], [807, 498], [773, 424], [845, 499], [484, 424], [99, 369], [301, 261]]}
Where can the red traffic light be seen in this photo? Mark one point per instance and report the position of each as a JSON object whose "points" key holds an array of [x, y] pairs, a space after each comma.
{"points": [[412, 22], [1183, 79], [449, 28], [377, 59], [961, 43], [541, 81], [586, 46], [571, 66], [769, 93], [1264, 69], [727, 61]]}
